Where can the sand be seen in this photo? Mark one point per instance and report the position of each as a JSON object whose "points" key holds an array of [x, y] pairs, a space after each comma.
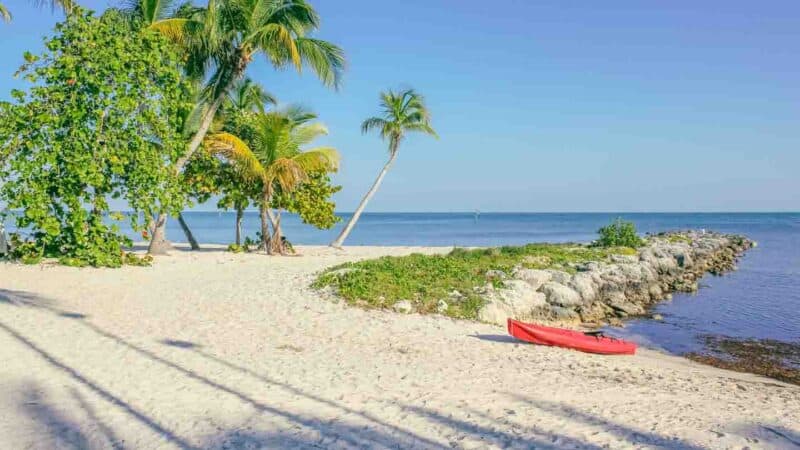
{"points": [[214, 350]]}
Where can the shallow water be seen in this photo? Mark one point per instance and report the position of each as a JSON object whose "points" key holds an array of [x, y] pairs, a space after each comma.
{"points": [[761, 299]]}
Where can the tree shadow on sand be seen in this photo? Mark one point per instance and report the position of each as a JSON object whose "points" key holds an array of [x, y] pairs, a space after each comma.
{"points": [[632, 435], [307, 430]]}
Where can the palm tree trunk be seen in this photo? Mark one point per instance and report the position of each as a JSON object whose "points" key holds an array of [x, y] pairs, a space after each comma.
{"points": [[276, 241], [161, 246], [264, 210], [158, 242], [3, 242], [272, 219], [239, 216], [352, 222], [188, 233]]}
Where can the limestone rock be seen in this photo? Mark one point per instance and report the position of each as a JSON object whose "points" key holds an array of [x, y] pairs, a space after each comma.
{"points": [[403, 306], [558, 294], [495, 312], [535, 278], [559, 276], [584, 284], [562, 313], [496, 274], [516, 300]]}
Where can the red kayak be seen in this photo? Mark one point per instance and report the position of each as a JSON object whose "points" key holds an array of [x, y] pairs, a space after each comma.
{"points": [[560, 337]]}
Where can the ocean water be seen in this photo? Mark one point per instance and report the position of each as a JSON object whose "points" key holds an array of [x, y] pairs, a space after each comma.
{"points": [[760, 300]]}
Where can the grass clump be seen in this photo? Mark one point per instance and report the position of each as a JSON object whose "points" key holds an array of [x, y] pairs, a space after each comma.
{"points": [[455, 277], [679, 238]]}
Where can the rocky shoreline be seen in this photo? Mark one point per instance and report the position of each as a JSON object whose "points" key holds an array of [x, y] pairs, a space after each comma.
{"points": [[596, 293]]}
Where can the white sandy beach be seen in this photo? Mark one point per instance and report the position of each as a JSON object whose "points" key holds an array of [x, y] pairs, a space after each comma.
{"points": [[215, 350]]}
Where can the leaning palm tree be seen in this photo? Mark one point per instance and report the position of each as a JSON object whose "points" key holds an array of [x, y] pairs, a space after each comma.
{"points": [[402, 112], [276, 158], [225, 37]]}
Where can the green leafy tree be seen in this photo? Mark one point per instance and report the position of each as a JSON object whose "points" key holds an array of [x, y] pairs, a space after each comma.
{"points": [[274, 153], [224, 37], [101, 121], [311, 200], [403, 112]]}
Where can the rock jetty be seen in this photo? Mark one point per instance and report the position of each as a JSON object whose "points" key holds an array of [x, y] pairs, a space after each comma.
{"points": [[607, 292]]}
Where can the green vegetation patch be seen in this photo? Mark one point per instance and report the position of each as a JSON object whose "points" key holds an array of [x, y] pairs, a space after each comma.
{"points": [[426, 279]]}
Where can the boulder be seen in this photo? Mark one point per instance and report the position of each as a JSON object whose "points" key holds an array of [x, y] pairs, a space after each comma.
{"points": [[559, 276], [521, 297], [628, 309], [495, 312], [584, 284], [441, 306], [562, 313], [496, 274], [403, 306], [535, 278], [558, 294], [516, 300]]}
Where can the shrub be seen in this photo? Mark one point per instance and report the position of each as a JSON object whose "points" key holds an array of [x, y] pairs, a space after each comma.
{"points": [[619, 234], [102, 120]]}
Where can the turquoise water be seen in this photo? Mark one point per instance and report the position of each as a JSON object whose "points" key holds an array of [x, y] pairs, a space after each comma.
{"points": [[761, 299]]}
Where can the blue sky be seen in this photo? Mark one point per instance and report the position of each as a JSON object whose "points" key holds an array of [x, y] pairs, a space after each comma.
{"points": [[592, 106]]}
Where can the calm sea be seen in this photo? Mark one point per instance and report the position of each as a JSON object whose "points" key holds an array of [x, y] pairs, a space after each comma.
{"points": [[761, 299]]}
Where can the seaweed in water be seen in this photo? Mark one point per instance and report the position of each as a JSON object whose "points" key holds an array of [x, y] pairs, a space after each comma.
{"points": [[775, 359]]}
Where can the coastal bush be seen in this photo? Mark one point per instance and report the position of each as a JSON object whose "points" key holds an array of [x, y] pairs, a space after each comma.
{"points": [[619, 234], [456, 277], [101, 121]]}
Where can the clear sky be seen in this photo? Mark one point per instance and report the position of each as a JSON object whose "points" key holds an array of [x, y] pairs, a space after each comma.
{"points": [[551, 106]]}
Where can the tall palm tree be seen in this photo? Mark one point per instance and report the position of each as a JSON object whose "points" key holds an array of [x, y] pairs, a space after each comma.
{"points": [[277, 158], [246, 96], [402, 112], [225, 37], [65, 5]]}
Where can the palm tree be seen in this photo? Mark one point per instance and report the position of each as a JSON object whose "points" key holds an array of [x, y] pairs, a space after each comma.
{"points": [[276, 158], [160, 15], [65, 5], [246, 96], [402, 112], [227, 35]]}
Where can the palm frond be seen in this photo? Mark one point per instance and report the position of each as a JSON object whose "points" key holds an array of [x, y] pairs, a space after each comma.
{"points": [[67, 6], [319, 159], [5, 15], [277, 41], [308, 132], [372, 123], [175, 29], [231, 147], [287, 173], [403, 111], [325, 59]]}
